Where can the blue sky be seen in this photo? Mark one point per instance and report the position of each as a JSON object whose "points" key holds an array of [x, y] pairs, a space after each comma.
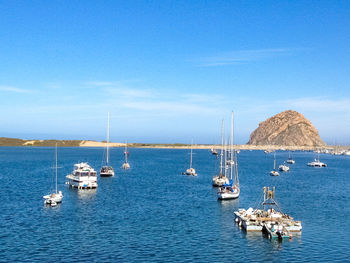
{"points": [[169, 71]]}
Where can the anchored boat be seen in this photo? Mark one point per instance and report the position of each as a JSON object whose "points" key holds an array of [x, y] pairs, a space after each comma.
{"points": [[283, 168], [191, 171], [82, 177], [107, 170], [126, 165], [317, 162], [231, 190], [56, 197], [274, 172], [268, 218], [221, 179], [290, 159]]}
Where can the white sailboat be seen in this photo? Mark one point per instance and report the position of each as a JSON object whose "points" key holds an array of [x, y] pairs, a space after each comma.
{"points": [[283, 168], [191, 171], [232, 189], [56, 197], [221, 179], [317, 162], [107, 170], [126, 165], [274, 172], [290, 159]]}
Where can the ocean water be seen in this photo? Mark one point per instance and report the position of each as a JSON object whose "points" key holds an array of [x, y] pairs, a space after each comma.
{"points": [[152, 213]]}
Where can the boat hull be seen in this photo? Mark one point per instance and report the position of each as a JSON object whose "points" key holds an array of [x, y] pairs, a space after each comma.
{"points": [[81, 182], [106, 174], [227, 196], [126, 166], [54, 198]]}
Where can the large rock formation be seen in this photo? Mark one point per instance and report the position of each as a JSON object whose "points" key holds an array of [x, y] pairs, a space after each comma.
{"points": [[288, 128]]}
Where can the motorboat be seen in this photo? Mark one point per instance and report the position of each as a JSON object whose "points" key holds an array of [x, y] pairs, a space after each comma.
{"points": [[82, 177]]}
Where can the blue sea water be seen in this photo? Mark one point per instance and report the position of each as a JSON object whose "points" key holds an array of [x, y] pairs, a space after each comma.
{"points": [[152, 213]]}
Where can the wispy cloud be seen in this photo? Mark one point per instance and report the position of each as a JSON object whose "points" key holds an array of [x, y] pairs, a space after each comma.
{"points": [[320, 104], [243, 56], [13, 89]]}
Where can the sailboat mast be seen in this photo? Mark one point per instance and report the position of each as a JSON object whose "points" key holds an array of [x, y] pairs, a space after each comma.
{"points": [[225, 158], [191, 154], [231, 146], [274, 161], [56, 166], [126, 152], [222, 146], [108, 139]]}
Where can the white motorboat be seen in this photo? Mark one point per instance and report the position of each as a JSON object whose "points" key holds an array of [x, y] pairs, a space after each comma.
{"points": [[274, 172], [82, 177], [56, 197], [221, 179], [232, 189], [126, 165], [191, 171], [283, 168], [107, 170]]}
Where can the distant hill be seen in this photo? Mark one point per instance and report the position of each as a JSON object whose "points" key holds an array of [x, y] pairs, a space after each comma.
{"points": [[288, 128], [19, 142]]}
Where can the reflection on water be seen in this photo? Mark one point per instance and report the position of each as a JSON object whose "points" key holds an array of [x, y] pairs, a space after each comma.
{"points": [[86, 194]]}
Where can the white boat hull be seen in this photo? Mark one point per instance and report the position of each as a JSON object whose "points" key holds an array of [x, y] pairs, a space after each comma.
{"points": [[53, 198], [81, 182], [126, 166], [317, 164], [283, 168], [228, 195], [191, 172], [274, 173]]}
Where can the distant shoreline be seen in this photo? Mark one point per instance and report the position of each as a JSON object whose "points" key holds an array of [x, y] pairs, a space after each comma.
{"points": [[88, 143]]}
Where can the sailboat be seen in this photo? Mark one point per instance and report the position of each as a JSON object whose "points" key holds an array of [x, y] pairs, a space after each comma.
{"points": [[316, 162], [56, 197], [107, 170], [231, 190], [274, 172], [221, 179], [290, 159], [191, 171], [126, 165]]}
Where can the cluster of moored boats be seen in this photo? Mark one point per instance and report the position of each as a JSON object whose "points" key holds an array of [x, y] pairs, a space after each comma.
{"points": [[227, 179], [285, 168], [84, 176], [272, 221]]}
